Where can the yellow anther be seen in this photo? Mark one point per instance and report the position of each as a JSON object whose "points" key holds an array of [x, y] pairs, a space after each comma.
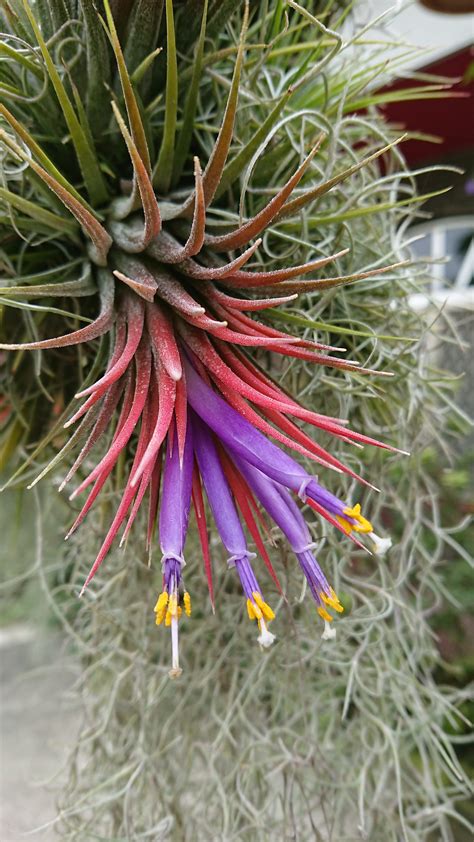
{"points": [[253, 611], [332, 601], [345, 523], [354, 511], [161, 602], [336, 599], [160, 607], [172, 612], [324, 614], [267, 612], [362, 524], [187, 603]]}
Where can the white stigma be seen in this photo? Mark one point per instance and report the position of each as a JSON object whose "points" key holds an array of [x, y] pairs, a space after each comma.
{"points": [[175, 670], [381, 545], [329, 632], [265, 637]]}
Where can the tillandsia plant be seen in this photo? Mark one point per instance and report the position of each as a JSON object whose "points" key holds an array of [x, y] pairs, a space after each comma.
{"points": [[179, 135], [174, 294]]}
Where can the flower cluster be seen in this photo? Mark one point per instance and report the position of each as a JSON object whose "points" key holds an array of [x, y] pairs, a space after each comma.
{"points": [[174, 303], [238, 465]]}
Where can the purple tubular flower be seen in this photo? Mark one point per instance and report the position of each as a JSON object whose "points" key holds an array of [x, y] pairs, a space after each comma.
{"points": [[239, 435], [174, 517], [176, 496], [229, 526], [248, 443], [286, 514], [279, 505]]}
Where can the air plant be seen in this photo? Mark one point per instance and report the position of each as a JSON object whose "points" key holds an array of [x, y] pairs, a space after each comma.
{"points": [[180, 182], [174, 301]]}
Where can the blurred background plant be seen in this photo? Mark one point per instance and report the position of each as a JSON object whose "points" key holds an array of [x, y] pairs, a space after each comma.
{"points": [[364, 737]]}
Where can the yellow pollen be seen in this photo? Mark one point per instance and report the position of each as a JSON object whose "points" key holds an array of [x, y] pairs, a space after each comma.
{"points": [[172, 612], [160, 607], [344, 523], [162, 601], [253, 611], [267, 612], [362, 525], [324, 614], [187, 603], [332, 601], [173, 604], [334, 595]]}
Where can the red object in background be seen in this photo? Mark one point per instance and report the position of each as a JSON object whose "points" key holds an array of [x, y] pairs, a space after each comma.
{"points": [[450, 118], [449, 7]]}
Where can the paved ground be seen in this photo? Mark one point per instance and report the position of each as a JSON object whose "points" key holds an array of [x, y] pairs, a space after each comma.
{"points": [[38, 724]]}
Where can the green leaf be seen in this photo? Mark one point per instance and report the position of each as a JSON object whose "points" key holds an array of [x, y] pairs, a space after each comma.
{"points": [[135, 120], [43, 10], [36, 149], [10, 442], [187, 128], [145, 65], [79, 287], [314, 193], [42, 308], [354, 213], [141, 185], [142, 36], [88, 163], [420, 92], [59, 13], [73, 439], [164, 167], [58, 425], [294, 318], [101, 240], [47, 275], [215, 166], [98, 67], [224, 9], [233, 169], [16, 55], [52, 220]]}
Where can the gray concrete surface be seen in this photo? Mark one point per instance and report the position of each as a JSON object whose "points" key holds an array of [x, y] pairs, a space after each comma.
{"points": [[38, 724]]}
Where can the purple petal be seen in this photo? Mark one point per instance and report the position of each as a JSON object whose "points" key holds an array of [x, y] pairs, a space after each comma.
{"points": [[279, 505], [240, 435], [286, 514], [217, 490], [171, 574], [176, 496], [245, 441], [316, 579], [247, 577]]}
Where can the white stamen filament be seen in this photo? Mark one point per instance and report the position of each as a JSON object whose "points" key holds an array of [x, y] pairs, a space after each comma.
{"points": [[381, 545], [329, 632], [265, 637], [175, 670]]}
